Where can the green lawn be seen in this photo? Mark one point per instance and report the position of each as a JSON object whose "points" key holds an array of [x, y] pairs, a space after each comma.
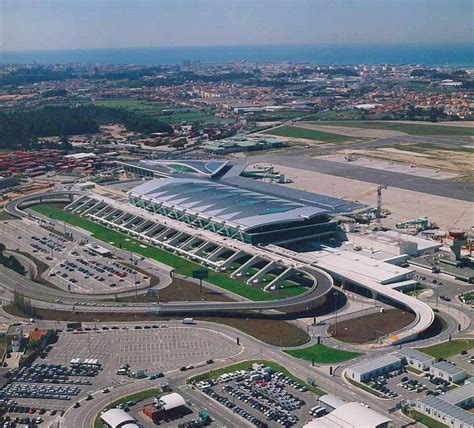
{"points": [[153, 109], [413, 370], [245, 365], [468, 296], [188, 117], [418, 290], [409, 128], [182, 266], [364, 387], [308, 134], [322, 354], [425, 420], [448, 349], [145, 108], [355, 114]]}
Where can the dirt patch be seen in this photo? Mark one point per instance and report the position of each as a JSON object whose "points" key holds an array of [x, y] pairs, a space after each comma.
{"points": [[180, 290], [371, 327], [273, 332], [351, 132]]}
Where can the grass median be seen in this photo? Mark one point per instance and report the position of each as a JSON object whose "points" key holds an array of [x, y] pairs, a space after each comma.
{"points": [[308, 134], [424, 419], [321, 354], [448, 349], [364, 387], [409, 128], [181, 265]]}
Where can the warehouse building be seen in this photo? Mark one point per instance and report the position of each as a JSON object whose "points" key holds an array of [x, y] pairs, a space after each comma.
{"points": [[331, 402], [416, 359], [451, 408], [448, 371], [367, 370], [247, 145], [118, 418], [170, 406], [351, 415]]}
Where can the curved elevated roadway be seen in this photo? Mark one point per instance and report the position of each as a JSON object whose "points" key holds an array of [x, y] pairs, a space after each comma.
{"points": [[322, 282]]}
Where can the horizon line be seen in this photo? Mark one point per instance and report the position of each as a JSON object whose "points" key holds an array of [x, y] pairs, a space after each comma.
{"points": [[326, 44]]}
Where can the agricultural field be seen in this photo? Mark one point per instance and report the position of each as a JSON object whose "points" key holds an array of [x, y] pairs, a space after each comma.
{"points": [[153, 109], [408, 128], [307, 134], [336, 115]]}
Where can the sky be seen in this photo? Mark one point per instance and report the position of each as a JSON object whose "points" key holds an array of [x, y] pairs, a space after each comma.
{"points": [[86, 24]]}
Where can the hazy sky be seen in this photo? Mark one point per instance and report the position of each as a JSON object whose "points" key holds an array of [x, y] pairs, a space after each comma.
{"points": [[71, 24]]}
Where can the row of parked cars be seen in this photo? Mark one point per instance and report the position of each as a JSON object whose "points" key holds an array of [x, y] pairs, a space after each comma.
{"points": [[102, 268], [55, 371], [413, 385], [51, 373], [264, 405], [48, 242], [11, 406], [236, 409], [8, 422], [263, 390], [56, 392]]}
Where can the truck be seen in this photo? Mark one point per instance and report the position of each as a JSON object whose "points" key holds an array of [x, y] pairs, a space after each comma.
{"points": [[73, 325], [188, 321], [139, 374]]}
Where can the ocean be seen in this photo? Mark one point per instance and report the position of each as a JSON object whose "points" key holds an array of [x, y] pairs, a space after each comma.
{"points": [[458, 55]]}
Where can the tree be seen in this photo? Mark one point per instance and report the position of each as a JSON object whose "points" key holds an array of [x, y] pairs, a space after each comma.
{"points": [[23, 304], [411, 112]]}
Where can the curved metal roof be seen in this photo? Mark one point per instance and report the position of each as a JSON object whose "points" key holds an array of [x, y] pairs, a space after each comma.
{"points": [[224, 203], [172, 401], [117, 417]]}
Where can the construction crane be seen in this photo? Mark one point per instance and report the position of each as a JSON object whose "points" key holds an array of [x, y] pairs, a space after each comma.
{"points": [[378, 189]]}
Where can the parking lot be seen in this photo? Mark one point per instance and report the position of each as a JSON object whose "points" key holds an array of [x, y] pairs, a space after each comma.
{"points": [[465, 361], [73, 266], [263, 398], [411, 386]]}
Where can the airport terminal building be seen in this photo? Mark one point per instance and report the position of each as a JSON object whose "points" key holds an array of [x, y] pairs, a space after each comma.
{"points": [[238, 213], [215, 196]]}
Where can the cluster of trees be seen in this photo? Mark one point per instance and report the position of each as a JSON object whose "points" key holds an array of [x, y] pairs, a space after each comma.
{"points": [[23, 304], [125, 75], [21, 129], [433, 114], [435, 74], [10, 262], [221, 77], [54, 93], [341, 72], [27, 76]]}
